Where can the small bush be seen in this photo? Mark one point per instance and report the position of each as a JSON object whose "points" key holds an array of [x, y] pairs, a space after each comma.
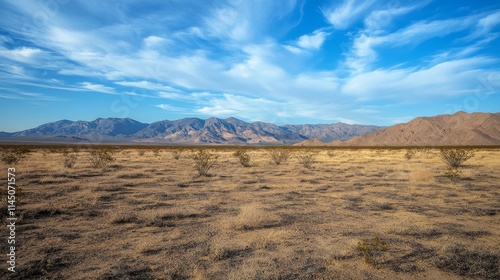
{"points": [[177, 154], [156, 152], [372, 248], [243, 157], [279, 155], [13, 156], [410, 153], [331, 154], [203, 161], [141, 152], [100, 158], [69, 159], [455, 158], [306, 157]]}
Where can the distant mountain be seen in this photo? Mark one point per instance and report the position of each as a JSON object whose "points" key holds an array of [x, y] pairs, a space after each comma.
{"points": [[218, 131], [189, 131], [109, 127], [459, 129], [331, 132]]}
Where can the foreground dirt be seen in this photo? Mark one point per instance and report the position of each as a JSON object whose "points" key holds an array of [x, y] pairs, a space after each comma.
{"points": [[150, 216]]}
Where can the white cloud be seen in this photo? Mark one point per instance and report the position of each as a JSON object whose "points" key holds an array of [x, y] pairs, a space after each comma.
{"points": [[170, 108], [236, 105], [364, 52], [22, 54], [293, 49], [147, 85], [378, 20], [345, 14], [446, 79], [97, 88], [154, 41], [313, 41]]}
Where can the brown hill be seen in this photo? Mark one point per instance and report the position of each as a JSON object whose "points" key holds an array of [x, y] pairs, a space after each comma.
{"points": [[459, 129], [310, 142]]}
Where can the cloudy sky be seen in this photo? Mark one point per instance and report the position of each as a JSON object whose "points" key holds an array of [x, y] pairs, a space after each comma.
{"points": [[367, 62]]}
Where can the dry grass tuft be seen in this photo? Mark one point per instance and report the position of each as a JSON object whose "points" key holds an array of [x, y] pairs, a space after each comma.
{"points": [[469, 263], [253, 216], [421, 174]]}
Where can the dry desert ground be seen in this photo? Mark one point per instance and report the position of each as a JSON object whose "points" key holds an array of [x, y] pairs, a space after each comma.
{"points": [[353, 214]]}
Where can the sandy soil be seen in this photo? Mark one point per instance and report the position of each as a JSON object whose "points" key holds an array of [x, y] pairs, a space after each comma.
{"points": [[150, 216]]}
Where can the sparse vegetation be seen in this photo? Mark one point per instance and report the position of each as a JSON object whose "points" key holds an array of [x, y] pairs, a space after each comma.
{"points": [[456, 157], [410, 153], [306, 157], [243, 157], [14, 155], [203, 161], [100, 158], [372, 248], [69, 159], [176, 154], [159, 219], [279, 155]]}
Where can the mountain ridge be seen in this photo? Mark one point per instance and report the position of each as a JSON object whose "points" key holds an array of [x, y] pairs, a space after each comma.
{"points": [[190, 131]]}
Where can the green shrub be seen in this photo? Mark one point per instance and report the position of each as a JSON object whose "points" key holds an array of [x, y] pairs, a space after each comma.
{"points": [[456, 157], [243, 157], [203, 161], [372, 248]]}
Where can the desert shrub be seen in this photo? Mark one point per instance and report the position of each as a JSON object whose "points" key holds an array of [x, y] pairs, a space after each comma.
{"points": [[453, 174], [100, 158], [306, 157], [203, 161], [243, 157], [456, 157], [372, 248], [410, 153], [279, 155], [330, 154], [141, 152], [156, 152], [177, 154], [69, 159], [13, 156]]}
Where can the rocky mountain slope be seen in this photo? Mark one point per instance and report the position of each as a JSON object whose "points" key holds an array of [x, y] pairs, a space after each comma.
{"points": [[459, 129]]}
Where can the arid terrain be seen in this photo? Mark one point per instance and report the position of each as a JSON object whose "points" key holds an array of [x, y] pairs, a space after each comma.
{"points": [[353, 214]]}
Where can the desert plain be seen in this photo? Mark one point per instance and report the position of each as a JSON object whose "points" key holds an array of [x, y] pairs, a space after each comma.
{"points": [[355, 213]]}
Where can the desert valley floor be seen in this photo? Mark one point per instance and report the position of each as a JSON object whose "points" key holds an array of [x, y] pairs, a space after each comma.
{"points": [[354, 214]]}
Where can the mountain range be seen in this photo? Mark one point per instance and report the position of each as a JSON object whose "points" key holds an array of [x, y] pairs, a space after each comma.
{"points": [[187, 131], [459, 129]]}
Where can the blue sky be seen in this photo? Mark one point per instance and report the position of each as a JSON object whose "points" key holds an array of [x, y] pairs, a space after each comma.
{"points": [[367, 62]]}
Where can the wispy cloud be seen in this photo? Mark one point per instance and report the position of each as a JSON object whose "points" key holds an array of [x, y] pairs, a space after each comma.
{"points": [[147, 85], [446, 79], [343, 15], [97, 88]]}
